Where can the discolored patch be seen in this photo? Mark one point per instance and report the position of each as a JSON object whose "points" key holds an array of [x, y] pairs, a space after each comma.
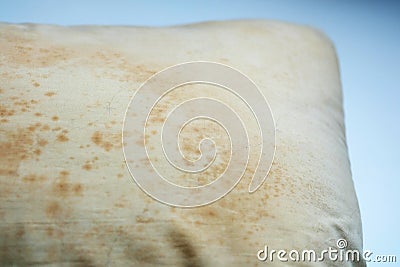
{"points": [[119, 205], [62, 138], [127, 70], [107, 141], [28, 51], [17, 146], [42, 142], [77, 189], [143, 219], [34, 127], [50, 231], [37, 152], [209, 213], [87, 166], [24, 105], [50, 94], [53, 210], [144, 254], [64, 173], [210, 231], [62, 187], [184, 245], [32, 178], [45, 128], [20, 233], [6, 112]]}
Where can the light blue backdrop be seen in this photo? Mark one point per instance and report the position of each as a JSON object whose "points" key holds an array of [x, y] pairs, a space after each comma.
{"points": [[367, 38]]}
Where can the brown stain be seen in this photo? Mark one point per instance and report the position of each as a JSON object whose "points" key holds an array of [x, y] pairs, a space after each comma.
{"points": [[107, 141], [208, 213], [32, 178], [42, 142], [62, 138], [211, 213], [36, 84], [127, 70], [45, 128], [145, 254], [62, 187], [20, 233], [139, 142], [64, 173], [38, 114], [37, 152], [156, 119], [184, 244], [50, 231], [119, 205], [77, 189], [53, 210], [50, 94], [143, 219], [193, 149], [279, 181], [23, 105], [6, 112], [34, 127], [87, 166], [25, 49], [16, 147], [54, 118]]}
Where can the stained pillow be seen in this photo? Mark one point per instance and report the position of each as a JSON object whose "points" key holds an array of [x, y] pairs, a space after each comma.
{"points": [[70, 170]]}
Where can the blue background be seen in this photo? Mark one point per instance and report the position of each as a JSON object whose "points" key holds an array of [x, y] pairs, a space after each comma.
{"points": [[367, 38]]}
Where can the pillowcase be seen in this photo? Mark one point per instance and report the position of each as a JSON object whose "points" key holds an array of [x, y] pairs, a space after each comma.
{"points": [[68, 192]]}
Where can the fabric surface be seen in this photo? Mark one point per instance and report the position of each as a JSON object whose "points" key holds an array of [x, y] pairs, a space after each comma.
{"points": [[67, 197]]}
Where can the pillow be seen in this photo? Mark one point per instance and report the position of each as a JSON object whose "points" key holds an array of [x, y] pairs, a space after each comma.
{"points": [[70, 177]]}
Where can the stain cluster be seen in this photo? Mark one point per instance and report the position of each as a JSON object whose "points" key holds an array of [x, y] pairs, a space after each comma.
{"points": [[107, 141]]}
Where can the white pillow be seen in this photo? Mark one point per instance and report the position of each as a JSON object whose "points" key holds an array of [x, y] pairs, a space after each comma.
{"points": [[67, 197]]}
